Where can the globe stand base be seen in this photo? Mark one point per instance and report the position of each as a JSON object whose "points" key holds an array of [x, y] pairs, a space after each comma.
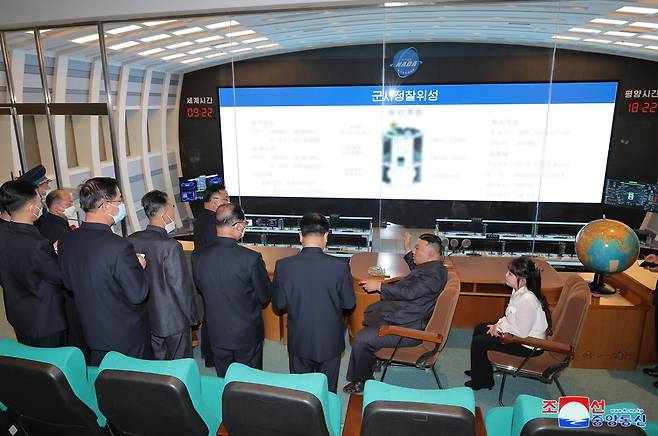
{"points": [[597, 287]]}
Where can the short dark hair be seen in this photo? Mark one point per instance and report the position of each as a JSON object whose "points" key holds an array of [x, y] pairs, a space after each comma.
{"points": [[213, 189], [229, 214], [53, 196], [313, 222], [17, 194], [153, 202], [433, 241], [96, 190], [3, 198]]}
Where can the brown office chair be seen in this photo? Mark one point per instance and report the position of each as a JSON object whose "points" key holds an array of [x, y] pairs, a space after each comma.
{"points": [[568, 319], [434, 336]]}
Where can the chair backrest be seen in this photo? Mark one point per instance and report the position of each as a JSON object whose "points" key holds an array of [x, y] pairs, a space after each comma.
{"points": [[259, 403], [46, 390], [570, 284], [142, 397], [444, 310], [573, 313], [396, 410]]}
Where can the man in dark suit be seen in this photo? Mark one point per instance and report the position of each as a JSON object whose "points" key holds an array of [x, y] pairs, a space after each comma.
{"points": [[315, 288], [29, 274], [409, 303], [106, 276], [235, 287], [170, 304], [653, 259], [37, 176], [60, 209], [205, 231]]}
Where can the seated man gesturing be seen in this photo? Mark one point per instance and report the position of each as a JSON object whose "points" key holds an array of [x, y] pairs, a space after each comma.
{"points": [[409, 303]]}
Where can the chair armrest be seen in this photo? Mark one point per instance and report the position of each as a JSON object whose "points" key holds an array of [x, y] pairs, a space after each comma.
{"points": [[558, 347], [352, 425], [405, 332], [480, 429]]}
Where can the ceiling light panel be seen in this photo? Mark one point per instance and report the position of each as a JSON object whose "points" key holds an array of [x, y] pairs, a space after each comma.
{"points": [[583, 30], [179, 45], [240, 33], [174, 56], [157, 23], [151, 51], [268, 45], [637, 10], [123, 29], [228, 44], [622, 34], [199, 50], [628, 44], [652, 37], [156, 37], [86, 39], [123, 45], [189, 61], [598, 41], [652, 47], [209, 38], [644, 24], [240, 50], [253, 40], [187, 31], [567, 38], [216, 55], [223, 24], [608, 21]]}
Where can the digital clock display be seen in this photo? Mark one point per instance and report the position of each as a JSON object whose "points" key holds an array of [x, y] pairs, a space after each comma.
{"points": [[200, 112], [642, 107]]}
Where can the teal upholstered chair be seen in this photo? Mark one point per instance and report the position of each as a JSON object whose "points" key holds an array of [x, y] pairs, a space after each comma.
{"points": [[158, 397], [259, 403], [526, 419], [389, 410], [48, 390]]}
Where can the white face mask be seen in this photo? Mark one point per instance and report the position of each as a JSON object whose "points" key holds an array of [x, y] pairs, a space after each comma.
{"points": [[169, 227], [69, 212], [38, 214]]}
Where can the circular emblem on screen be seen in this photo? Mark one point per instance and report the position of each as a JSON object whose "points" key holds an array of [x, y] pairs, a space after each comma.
{"points": [[406, 62]]}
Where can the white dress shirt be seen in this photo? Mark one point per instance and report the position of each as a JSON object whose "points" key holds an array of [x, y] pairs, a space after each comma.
{"points": [[524, 316]]}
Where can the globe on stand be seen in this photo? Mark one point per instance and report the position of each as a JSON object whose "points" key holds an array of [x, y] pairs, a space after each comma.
{"points": [[606, 247]]}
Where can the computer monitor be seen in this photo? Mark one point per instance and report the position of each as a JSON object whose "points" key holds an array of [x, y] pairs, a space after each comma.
{"points": [[631, 194], [192, 189]]}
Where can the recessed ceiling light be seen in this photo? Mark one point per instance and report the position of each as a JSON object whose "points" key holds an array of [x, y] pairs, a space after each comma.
{"points": [[222, 24], [637, 10], [608, 21], [31, 32], [623, 34], [85, 39], [252, 40], [628, 44], [240, 33], [582, 30], [189, 61], [599, 41], [123, 29], [268, 45], [653, 37], [228, 44], [187, 31], [179, 45], [157, 23], [174, 56], [395, 4], [240, 50], [644, 24], [652, 47], [151, 51], [156, 37], [199, 50], [569, 38], [209, 38], [123, 45], [216, 55]]}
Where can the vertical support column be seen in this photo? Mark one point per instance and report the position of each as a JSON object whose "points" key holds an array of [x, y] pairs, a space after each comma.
{"points": [[164, 150], [172, 123], [122, 178], [46, 97], [59, 122], [94, 96], [18, 130], [144, 136]]}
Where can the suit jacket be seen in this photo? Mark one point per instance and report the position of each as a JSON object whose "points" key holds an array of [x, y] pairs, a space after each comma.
{"points": [[170, 304], [4, 225], [53, 227], [109, 287], [205, 229], [235, 288], [31, 282], [315, 288], [411, 300]]}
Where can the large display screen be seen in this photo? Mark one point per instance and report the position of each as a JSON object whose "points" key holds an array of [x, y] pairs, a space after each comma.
{"points": [[483, 142]]}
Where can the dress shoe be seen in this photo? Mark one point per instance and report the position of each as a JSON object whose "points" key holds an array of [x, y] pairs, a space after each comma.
{"points": [[653, 372], [354, 388], [469, 372], [470, 384]]}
